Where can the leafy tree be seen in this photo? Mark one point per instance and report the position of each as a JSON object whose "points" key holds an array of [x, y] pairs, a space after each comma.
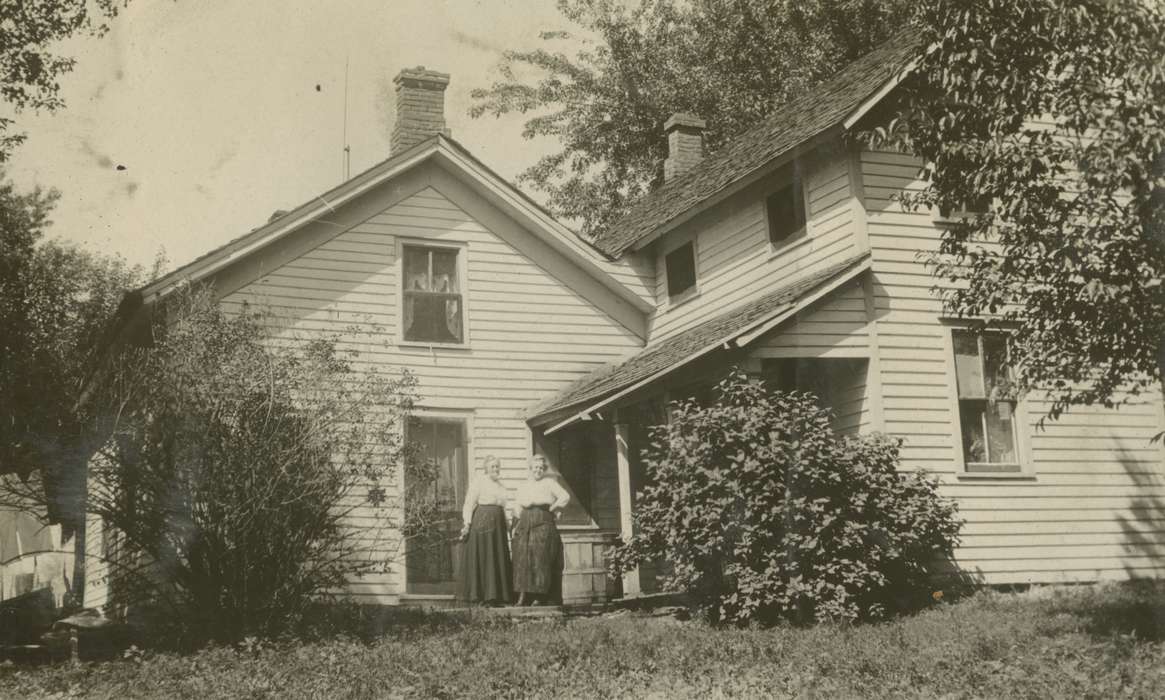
{"points": [[55, 299], [236, 461], [731, 63], [29, 67], [765, 513], [1052, 111]]}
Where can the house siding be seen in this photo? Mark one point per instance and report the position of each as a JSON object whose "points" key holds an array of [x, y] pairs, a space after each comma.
{"points": [[529, 334], [1093, 506], [834, 327], [734, 259]]}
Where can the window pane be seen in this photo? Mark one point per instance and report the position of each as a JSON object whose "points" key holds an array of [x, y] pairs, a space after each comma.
{"points": [[1001, 432], [416, 269], [998, 376], [974, 440], [786, 212], [681, 269], [432, 318], [968, 368], [445, 271]]}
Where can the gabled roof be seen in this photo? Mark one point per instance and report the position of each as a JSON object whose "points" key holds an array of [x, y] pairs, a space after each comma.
{"points": [[811, 115], [440, 148], [732, 328]]}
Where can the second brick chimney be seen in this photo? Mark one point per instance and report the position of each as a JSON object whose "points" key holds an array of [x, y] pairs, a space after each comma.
{"points": [[685, 144], [420, 107]]}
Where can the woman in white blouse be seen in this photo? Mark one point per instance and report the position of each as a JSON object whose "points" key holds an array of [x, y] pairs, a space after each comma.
{"points": [[537, 545], [485, 554]]}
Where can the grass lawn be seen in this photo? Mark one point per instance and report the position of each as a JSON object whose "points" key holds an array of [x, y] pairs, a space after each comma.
{"points": [[1070, 642]]}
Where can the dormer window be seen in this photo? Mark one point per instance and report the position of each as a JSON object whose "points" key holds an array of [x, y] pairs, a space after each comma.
{"points": [[681, 271], [785, 211]]}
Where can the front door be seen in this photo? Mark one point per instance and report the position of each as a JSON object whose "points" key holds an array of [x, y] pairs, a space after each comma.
{"points": [[436, 488]]}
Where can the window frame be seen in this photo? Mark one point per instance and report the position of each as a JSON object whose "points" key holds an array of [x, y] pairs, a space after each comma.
{"points": [[1021, 424], [689, 292], [797, 178], [447, 415], [957, 215], [462, 250]]}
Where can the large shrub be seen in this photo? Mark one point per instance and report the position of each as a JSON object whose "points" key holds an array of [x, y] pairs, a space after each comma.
{"points": [[765, 513], [244, 472]]}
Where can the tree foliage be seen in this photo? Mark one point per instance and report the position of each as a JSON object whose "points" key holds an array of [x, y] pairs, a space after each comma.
{"points": [[1054, 113], [731, 63], [237, 456], [55, 300], [30, 67], [765, 513]]}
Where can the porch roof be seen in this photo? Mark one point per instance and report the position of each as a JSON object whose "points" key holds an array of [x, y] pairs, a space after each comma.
{"points": [[733, 328]]}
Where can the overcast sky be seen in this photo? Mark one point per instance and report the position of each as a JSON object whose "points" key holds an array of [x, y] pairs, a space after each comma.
{"points": [[213, 109]]}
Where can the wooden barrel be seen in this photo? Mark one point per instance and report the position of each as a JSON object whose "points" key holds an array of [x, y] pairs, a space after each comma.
{"points": [[584, 575]]}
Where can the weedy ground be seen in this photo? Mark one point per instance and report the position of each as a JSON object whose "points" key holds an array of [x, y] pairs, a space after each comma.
{"points": [[1103, 642]]}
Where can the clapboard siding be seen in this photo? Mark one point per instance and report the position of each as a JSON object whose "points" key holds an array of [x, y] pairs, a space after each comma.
{"points": [[734, 259], [1093, 505], [530, 334], [838, 321], [851, 401]]}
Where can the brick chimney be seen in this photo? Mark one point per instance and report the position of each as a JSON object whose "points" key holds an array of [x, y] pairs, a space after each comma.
{"points": [[685, 144], [420, 107]]}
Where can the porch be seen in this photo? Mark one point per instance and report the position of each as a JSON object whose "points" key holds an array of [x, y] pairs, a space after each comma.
{"points": [[809, 335]]}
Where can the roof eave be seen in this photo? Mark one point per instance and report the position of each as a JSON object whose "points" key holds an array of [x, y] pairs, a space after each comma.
{"points": [[738, 338], [872, 101], [515, 203], [274, 230]]}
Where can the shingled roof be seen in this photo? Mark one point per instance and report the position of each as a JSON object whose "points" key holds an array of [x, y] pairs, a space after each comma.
{"points": [[675, 351], [801, 120]]}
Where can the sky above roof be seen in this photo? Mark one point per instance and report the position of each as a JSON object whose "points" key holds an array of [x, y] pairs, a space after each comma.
{"points": [[221, 113]]}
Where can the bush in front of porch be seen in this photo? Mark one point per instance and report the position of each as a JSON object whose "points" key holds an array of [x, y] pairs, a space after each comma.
{"points": [[765, 513]]}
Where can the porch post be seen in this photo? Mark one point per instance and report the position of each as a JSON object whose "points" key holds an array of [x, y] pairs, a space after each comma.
{"points": [[622, 431]]}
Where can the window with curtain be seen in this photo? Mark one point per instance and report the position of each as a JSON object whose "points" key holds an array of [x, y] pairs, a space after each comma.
{"points": [[438, 482], [432, 295], [987, 402]]}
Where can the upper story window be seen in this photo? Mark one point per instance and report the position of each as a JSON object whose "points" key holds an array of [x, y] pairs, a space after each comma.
{"points": [[785, 211], [987, 402], [966, 210], [681, 270], [433, 307]]}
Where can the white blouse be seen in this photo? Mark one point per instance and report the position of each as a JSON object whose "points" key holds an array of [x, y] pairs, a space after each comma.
{"points": [[483, 491], [543, 492]]}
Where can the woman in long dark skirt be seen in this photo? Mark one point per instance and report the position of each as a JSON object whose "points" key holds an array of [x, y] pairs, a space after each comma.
{"points": [[537, 544], [485, 554]]}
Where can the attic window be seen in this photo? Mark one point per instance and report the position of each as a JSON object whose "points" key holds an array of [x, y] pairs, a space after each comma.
{"points": [[785, 210], [432, 301], [681, 270]]}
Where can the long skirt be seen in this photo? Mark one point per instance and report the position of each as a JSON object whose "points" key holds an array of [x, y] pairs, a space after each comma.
{"points": [[538, 554], [485, 559]]}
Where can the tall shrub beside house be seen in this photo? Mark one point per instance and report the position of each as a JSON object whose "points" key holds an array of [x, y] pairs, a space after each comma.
{"points": [[236, 461], [765, 513]]}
